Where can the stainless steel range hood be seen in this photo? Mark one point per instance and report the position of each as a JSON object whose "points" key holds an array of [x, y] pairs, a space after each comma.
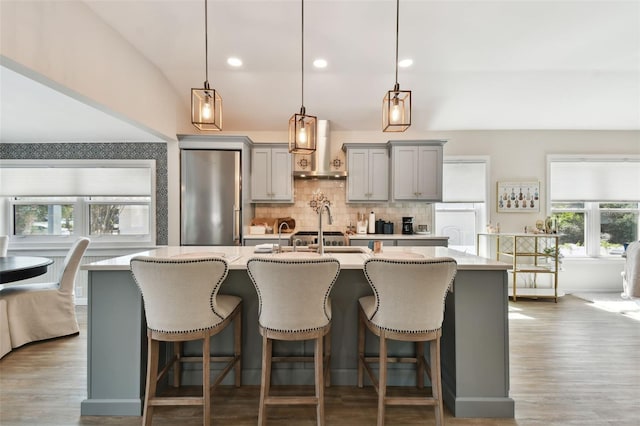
{"points": [[319, 164]]}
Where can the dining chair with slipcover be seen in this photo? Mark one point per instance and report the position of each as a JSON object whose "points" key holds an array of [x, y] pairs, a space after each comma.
{"points": [[42, 311], [5, 340], [631, 273], [294, 305], [182, 303], [4, 245], [407, 305]]}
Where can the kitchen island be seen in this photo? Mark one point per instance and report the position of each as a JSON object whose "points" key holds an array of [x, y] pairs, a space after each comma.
{"points": [[475, 338]]}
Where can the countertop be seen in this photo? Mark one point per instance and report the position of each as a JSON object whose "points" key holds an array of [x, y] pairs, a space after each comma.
{"points": [[396, 237], [238, 256]]}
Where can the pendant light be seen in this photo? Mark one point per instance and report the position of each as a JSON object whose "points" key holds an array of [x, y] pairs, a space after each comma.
{"points": [[302, 127], [396, 105], [206, 103]]}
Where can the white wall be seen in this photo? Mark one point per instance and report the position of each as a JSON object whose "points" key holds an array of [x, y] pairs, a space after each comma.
{"points": [[40, 40]]}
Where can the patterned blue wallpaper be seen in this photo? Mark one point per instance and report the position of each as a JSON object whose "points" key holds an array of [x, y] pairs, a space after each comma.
{"points": [[106, 151]]}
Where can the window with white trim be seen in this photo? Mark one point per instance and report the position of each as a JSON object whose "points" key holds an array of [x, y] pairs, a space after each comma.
{"points": [[52, 202], [596, 203], [463, 211]]}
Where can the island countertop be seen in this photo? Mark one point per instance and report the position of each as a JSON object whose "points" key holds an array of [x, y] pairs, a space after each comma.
{"points": [[238, 256]]}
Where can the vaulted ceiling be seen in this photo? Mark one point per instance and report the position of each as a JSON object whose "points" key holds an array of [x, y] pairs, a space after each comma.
{"points": [[506, 64]]}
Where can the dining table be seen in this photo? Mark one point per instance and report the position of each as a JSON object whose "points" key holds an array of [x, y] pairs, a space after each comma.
{"points": [[16, 268]]}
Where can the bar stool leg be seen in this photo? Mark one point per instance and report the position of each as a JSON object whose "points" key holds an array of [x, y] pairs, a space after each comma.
{"points": [[382, 381], [152, 371], [319, 362], [206, 379], [436, 380], [266, 379]]}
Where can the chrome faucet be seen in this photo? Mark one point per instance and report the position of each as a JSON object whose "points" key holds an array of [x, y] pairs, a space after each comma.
{"points": [[280, 235], [323, 206]]}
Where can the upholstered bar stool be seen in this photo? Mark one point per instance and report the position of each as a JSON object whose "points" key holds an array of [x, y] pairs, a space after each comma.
{"points": [[182, 303], [407, 305], [294, 304]]}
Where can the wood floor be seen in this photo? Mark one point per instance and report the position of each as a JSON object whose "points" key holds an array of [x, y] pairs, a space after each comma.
{"points": [[571, 364]]}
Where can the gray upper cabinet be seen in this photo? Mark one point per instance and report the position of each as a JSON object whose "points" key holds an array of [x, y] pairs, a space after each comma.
{"points": [[271, 178], [416, 170], [368, 167]]}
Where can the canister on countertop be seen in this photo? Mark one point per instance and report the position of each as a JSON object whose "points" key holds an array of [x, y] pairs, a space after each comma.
{"points": [[388, 228], [379, 226]]}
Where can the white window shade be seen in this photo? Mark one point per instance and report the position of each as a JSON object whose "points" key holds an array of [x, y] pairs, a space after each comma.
{"points": [[75, 181], [594, 180], [464, 182]]}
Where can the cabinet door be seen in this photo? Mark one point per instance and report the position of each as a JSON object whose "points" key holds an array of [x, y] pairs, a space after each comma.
{"points": [[358, 179], [281, 177], [405, 172], [429, 177], [260, 173], [378, 174]]}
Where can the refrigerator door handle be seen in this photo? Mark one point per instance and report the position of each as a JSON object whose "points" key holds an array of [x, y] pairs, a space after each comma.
{"points": [[236, 229]]}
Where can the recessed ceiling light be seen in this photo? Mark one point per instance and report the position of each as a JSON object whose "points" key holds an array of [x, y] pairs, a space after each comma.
{"points": [[320, 63], [234, 62], [405, 63]]}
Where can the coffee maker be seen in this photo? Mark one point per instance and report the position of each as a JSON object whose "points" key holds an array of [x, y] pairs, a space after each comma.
{"points": [[407, 225]]}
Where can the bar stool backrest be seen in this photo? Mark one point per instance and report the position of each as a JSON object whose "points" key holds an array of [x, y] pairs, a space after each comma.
{"points": [[410, 294], [293, 293], [180, 295]]}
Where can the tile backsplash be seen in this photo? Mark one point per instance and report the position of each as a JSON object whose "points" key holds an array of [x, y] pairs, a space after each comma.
{"points": [[343, 214]]}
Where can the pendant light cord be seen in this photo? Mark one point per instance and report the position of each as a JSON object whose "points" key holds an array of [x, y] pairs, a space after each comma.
{"points": [[397, 32], [302, 57], [206, 47]]}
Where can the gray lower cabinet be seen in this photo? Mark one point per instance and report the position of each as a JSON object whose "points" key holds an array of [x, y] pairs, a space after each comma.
{"points": [[441, 242], [365, 243], [427, 242]]}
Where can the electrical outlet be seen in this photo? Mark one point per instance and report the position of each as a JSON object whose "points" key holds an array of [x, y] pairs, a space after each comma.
{"points": [[78, 291]]}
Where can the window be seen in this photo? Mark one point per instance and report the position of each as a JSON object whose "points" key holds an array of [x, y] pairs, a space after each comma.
{"points": [[463, 210], [596, 203], [110, 201]]}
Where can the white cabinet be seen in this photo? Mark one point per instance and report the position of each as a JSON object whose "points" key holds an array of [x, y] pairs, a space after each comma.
{"points": [[368, 168], [271, 178], [416, 171]]}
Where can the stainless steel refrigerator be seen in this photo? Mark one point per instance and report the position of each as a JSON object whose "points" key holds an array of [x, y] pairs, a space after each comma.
{"points": [[210, 197]]}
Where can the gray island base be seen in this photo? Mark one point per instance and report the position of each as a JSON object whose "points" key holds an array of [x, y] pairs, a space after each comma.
{"points": [[475, 338]]}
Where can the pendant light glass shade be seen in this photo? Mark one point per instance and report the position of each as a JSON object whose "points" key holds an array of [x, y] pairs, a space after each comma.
{"points": [[302, 127], [206, 103], [396, 110], [302, 133], [396, 105]]}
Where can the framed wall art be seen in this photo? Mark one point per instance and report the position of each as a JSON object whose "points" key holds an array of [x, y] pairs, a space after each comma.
{"points": [[518, 196]]}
